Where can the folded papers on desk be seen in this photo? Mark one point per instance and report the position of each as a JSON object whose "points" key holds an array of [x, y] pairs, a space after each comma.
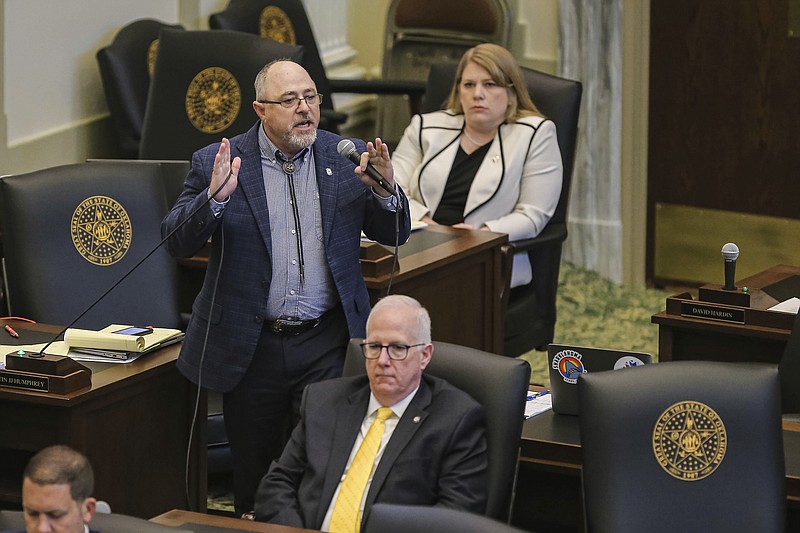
{"points": [[89, 345], [537, 403]]}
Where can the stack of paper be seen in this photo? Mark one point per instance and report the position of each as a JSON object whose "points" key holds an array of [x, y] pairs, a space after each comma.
{"points": [[104, 344], [537, 403]]}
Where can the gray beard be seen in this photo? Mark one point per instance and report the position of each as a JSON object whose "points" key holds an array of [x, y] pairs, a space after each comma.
{"points": [[303, 140]]}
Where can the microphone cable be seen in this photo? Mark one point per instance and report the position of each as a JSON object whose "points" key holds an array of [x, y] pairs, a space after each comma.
{"points": [[193, 425], [129, 272], [396, 260]]}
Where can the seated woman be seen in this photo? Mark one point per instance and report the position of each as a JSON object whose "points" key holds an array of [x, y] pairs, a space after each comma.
{"points": [[488, 161]]}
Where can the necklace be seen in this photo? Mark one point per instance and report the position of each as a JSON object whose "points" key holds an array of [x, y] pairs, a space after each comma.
{"points": [[468, 136]]}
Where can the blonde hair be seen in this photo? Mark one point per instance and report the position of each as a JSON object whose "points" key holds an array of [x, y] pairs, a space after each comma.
{"points": [[505, 71]]}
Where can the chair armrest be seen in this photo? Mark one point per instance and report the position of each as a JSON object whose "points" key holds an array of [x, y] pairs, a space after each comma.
{"points": [[414, 89], [552, 234]]}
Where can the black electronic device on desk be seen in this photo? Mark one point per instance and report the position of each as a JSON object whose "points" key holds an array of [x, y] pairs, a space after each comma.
{"points": [[38, 372]]}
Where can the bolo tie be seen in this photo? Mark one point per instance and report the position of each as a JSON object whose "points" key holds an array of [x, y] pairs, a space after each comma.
{"points": [[288, 169]]}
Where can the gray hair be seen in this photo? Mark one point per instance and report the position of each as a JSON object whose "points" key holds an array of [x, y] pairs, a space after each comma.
{"points": [[395, 301]]}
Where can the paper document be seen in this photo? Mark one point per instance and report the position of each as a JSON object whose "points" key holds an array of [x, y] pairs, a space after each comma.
{"points": [[787, 306], [86, 357], [106, 339], [538, 403]]}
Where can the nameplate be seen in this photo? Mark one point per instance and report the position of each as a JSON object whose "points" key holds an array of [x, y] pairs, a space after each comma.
{"points": [[712, 312], [14, 380]]}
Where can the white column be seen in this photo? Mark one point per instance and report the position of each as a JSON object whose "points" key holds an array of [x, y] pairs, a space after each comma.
{"points": [[329, 22], [590, 33]]}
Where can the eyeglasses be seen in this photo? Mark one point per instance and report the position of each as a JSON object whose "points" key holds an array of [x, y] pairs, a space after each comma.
{"points": [[292, 101], [397, 352]]}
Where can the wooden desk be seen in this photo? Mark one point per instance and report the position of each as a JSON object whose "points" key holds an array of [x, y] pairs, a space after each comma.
{"points": [[550, 469], [457, 275], [761, 338], [133, 424], [187, 519]]}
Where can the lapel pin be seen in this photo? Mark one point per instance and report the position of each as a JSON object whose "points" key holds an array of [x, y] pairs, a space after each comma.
{"points": [[496, 159], [328, 171], [417, 419]]}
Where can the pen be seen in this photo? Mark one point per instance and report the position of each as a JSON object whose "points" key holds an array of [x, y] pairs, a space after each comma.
{"points": [[533, 396], [11, 331]]}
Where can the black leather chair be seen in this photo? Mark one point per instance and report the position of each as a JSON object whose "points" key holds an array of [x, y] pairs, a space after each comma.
{"points": [[287, 21], [789, 369], [202, 89], [500, 385], [126, 66], [387, 518], [683, 446], [531, 312], [71, 232], [421, 33]]}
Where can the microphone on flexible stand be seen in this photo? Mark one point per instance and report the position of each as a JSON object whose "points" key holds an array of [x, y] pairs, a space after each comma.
{"points": [[347, 148], [730, 252], [41, 353]]}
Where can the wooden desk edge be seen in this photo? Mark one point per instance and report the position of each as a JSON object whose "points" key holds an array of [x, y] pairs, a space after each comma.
{"points": [[180, 518]]}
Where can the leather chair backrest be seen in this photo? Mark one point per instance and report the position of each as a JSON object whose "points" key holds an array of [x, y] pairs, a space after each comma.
{"points": [[202, 89], [500, 385], [789, 369], [73, 231], [108, 523], [172, 173], [125, 70], [285, 21], [389, 518], [557, 98], [683, 446], [484, 20]]}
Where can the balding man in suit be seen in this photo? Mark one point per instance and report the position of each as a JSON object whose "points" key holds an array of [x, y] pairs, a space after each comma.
{"points": [[430, 450], [283, 291]]}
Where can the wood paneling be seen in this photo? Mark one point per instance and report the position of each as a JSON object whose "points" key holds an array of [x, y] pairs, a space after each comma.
{"points": [[724, 109]]}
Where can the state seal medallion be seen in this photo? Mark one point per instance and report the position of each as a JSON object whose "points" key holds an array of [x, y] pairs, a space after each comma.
{"points": [[101, 230], [275, 24], [213, 100], [689, 440]]}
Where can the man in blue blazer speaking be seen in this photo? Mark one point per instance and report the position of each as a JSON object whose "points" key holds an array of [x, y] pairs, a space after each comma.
{"points": [[430, 450], [283, 291]]}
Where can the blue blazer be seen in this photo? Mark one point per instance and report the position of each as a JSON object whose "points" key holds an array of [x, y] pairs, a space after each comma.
{"points": [[436, 456], [244, 273]]}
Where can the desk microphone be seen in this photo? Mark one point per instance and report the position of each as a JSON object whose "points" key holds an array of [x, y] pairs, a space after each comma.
{"points": [[347, 148], [730, 252], [41, 353]]}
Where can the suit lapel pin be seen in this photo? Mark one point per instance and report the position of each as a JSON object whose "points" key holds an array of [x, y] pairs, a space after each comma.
{"points": [[328, 171], [496, 159], [417, 419]]}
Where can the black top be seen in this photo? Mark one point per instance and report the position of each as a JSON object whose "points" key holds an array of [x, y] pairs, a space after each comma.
{"points": [[454, 197]]}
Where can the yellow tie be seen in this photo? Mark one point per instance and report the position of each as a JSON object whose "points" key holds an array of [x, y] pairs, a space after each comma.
{"points": [[346, 517]]}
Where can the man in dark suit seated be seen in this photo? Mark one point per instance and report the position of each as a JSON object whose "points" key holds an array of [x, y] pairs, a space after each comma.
{"points": [[56, 491], [283, 291], [340, 461]]}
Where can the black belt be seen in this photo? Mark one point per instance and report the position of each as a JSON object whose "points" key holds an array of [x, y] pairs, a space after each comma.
{"points": [[289, 328]]}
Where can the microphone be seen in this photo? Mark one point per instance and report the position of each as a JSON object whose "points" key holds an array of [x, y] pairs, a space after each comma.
{"points": [[347, 148], [730, 252], [42, 353]]}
